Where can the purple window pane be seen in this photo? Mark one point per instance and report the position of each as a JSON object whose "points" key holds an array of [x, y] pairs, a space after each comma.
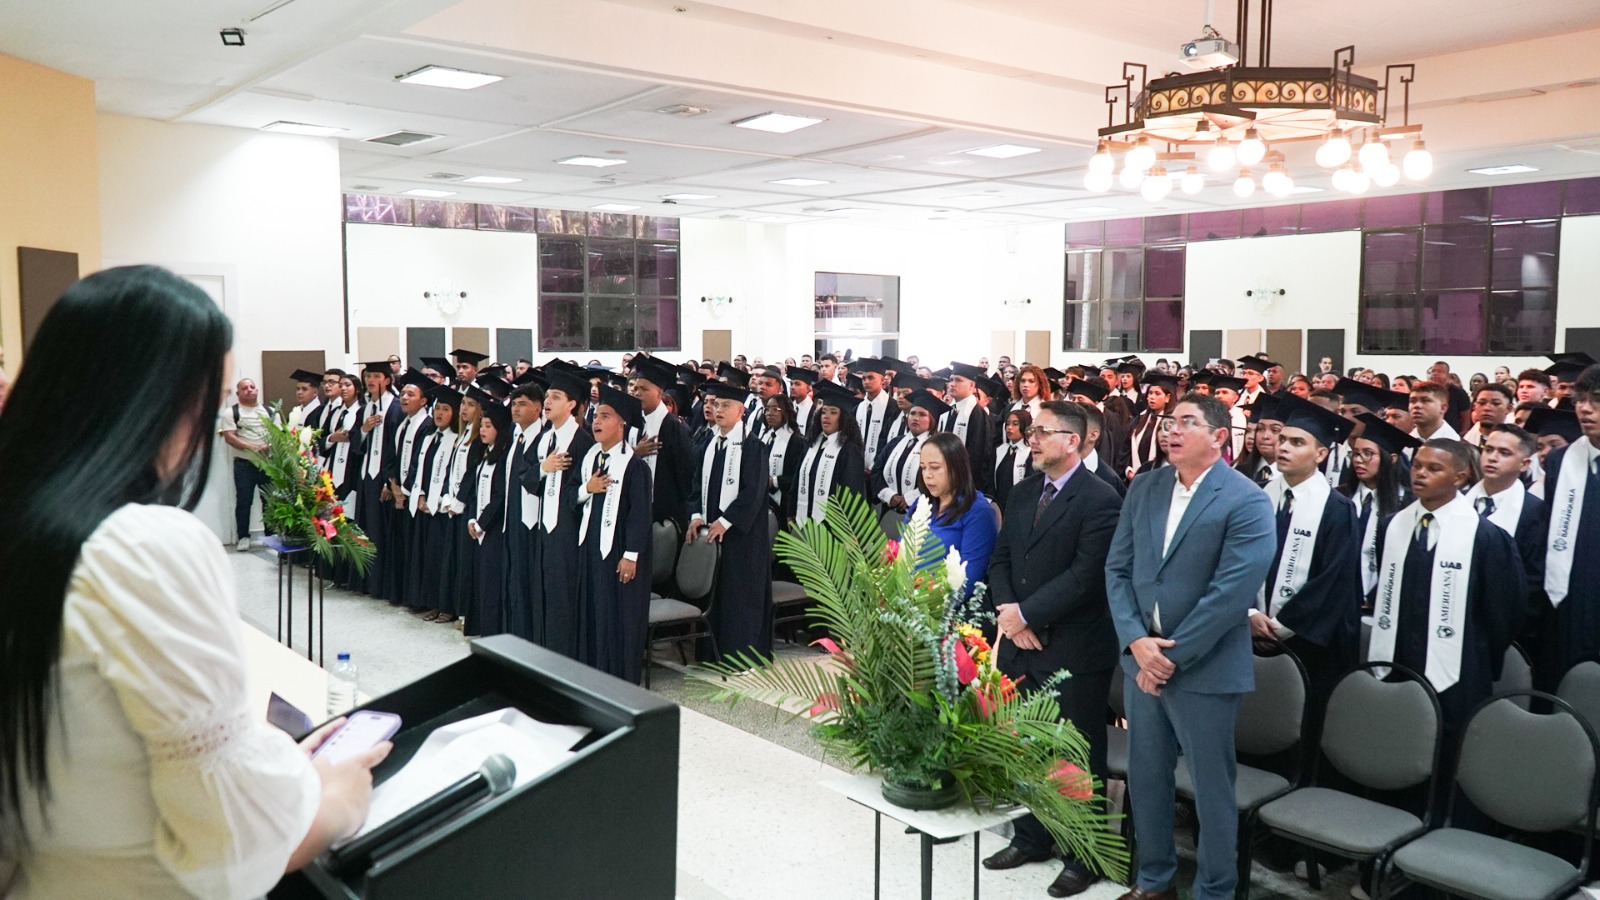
{"points": [[1124, 274], [561, 265], [1163, 229], [1122, 326], [1163, 272], [375, 209], [1083, 275], [1522, 321], [1264, 221], [561, 323], [1449, 207], [507, 218], [1394, 211], [1583, 197], [1214, 226], [611, 266], [563, 221], [1527, 201], [1452, 322], [445, 214], [1163, 325], [656, 228], [1085, 234], [610, 224], [1124, 232], [1525, 256], [1082, 327], [658, 269], [1389, 323], [1389, 262], [658, 323], [1334, 215], [611, 323], [1455, 256]]}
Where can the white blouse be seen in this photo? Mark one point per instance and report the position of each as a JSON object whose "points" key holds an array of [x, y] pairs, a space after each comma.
{"points": [[162, 784]]}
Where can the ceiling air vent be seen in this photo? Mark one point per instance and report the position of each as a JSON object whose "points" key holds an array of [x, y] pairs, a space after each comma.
{"points": [[365, 187], [684, 111], [444, 176], [402, 138]]}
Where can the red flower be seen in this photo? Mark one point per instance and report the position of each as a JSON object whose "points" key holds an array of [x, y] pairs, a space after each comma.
{"points": [[986, 703], [966, 669], [1072, 782], [338, 510], [891, 552], [824, 703]]}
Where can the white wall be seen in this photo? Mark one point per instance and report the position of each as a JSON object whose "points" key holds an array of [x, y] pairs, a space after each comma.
{"points": [[258, 211]]}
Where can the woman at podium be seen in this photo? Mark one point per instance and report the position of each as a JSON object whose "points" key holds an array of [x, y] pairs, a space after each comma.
{"points": [[130, 764]]}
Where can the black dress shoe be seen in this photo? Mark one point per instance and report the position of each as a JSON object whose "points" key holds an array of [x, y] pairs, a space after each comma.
{"points": [[1070, 883], [1011, 857]]}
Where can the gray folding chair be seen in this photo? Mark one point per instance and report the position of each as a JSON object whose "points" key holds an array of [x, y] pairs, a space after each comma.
{"points": [[889, 521], [1383, 735], [789, 599], [1271, 722], [1581, 688], [665, 539], [1532, 772], [1516, 675], [696, 579]]}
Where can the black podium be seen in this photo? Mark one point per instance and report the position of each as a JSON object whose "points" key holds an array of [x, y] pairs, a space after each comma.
{"points": [[602, 824]]}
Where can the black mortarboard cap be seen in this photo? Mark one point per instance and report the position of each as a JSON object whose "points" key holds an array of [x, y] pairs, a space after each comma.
{"points": [[481, 397], [680, 395], [1568, 366], [1369, 396], [501, 417], [468, 356], [443, 393], [1129, 368], [439, 364], [532, 376], [869, 364], [574, 386], [796, 373], [1265, 409], [494, 385], [995, 387], [412, 376], [723, 391], [830, 394], [1227, 382], [381, 367], [912, 382], [1203, 376], [899, 367], [498, 371], [734, 375], [1389, 438], [1093, 388], [853, 383], [966, 370], [1560, 422], [1167, 383], [1327, 426], [623, 404], [311, 378], [926, 400], [655, 371], [1054, 374], [1254, 364]]}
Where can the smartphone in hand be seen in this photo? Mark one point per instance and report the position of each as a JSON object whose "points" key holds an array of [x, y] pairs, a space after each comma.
{"points": [[361, 732]]}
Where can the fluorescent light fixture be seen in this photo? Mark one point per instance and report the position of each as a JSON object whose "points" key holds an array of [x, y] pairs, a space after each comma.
{"points": [[1513, 169], [490, 179], [1305, 189], [441, 76], [429, 192], [613, 207], [778, 123], [800, 182], [302, 128], [1002, 151], [690, 197], [594, 162], [771, 219]]}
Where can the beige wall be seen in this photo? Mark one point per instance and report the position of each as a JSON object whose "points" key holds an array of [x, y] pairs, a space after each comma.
{"points": [[49, 178]]}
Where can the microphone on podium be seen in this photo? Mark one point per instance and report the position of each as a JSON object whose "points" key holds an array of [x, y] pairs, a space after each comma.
{"points": [[495, 776]]}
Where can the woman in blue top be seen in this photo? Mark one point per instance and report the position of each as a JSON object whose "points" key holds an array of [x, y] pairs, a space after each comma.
{"points": [[962, 518]]}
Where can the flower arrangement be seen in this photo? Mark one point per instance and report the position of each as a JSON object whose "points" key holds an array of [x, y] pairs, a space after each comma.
{"points": [[911, 688], [300, 504]]}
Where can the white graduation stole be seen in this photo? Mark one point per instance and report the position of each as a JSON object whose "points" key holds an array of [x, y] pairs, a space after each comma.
{"points": [[439, 479], [1021, 458], [556, 440], [430, 446], [733, 454], [1369, 542], [409, 431], [778, 448], [527, 502], [902, 478], [1507, 505], [652, 429], [339, 462], [1564, 493], [617, 468], [824, 455], [1447, 591], [485, 485], [458, 471], [1294, 565], [874, 422], [802, 417], [1338, 458], [375, 436], [960, 415]]}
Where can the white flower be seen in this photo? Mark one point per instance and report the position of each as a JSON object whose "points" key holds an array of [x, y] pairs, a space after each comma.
{"points": [[304, 434], [921, 516], [955, 571]]}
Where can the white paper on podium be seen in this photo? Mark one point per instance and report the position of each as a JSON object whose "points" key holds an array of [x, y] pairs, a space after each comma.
{"points": [[455, 751]]}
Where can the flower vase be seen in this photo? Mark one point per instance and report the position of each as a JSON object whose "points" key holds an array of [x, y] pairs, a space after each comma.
{"points": [[917, 794]]}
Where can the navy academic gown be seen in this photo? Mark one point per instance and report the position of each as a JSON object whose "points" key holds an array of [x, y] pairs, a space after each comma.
{"points": [[1570, 633], [419, 574], [980, 446], [616, 616], [849, 473], [784, 507], [406, 532], [438, 544], [522, 593], [486, 615], [461, 585], [1325, 615], [674, 475], [557, 561], [372, 513], [1495, 601], [741, 612]]}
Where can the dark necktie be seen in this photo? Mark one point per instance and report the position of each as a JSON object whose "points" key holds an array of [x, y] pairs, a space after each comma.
{"points": [[1366, 512], [1485, 506], [1285, 512], [1263, 475], [1045, 496], [722, 444], [602, 465], [1420, 540]]}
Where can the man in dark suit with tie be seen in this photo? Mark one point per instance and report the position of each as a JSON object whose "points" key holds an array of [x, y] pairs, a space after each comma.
{"points": [[1047, 585], [1190, 554]]}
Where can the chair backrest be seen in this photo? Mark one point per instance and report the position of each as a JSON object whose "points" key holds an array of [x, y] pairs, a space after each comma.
{"points": [[1118, 706], [1272, 717], [1383, 734], [1516, 675], [665, 539], [1581, 688], [889, 521], [697, 570], [1532, 771]]}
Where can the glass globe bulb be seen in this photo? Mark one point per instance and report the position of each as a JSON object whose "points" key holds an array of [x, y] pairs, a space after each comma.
{"points": [[1101, 161], [1387, 175], [1277, 181], [1252, 149], [1245, 185], [1418, 163], [1131, 176], [1142, 156], [1098, 182], [1220, 156], [1341, 178], [1334, 152], [1374, 155], [1193, 182], [1358, 182], [1156, 185]]}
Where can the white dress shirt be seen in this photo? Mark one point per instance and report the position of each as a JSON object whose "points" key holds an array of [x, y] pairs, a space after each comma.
{"points": [[1180, 504]]}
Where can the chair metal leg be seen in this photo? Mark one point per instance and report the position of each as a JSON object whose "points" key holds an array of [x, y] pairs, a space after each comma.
{"points": [[1312, 875], [1241, 891]]}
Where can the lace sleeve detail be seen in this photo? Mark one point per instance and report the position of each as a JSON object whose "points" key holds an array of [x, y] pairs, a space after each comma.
{"points": [[199, 743]]}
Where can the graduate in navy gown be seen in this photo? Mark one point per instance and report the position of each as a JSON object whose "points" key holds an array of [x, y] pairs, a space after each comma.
{"points": [[556, 559], [487, 524], [460, 584], [436, 544], [614, 533], [785, 448], [1501, 498], [403, 476], [1375, 483], [665, 444], [835, 460], [1569, 631], [970, 422], [380, 422], [523, 591], [343, 463], [729, 507]]}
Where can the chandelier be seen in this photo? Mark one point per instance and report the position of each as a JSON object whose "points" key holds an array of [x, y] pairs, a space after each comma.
{"points": [[1235, 116]]}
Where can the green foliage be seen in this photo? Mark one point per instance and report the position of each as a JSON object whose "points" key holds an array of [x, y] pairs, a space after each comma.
{"points": [[299, 503], [891, 697]]}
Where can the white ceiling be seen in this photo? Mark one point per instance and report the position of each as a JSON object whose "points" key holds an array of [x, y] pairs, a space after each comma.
{"points": [[333, 62]]}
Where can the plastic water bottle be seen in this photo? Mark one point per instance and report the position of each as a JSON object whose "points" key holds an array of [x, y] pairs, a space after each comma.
{"points": [[341, 686]]}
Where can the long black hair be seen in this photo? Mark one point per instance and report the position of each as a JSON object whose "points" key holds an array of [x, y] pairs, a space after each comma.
{"points": [[127, 359], [1392, 487], [958, 468], [849, 431]]}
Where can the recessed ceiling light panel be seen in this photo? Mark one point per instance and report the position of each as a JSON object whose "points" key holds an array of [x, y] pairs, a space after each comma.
{"points": [[596, 162], [490, 179], [302, 128], [1512, 169], [800, 182], [778, 123], [1002, 151], [429, 192], [441, 76]]}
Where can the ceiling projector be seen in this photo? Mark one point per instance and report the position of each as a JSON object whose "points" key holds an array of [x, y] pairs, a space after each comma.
{"points": [[1209, 53]]}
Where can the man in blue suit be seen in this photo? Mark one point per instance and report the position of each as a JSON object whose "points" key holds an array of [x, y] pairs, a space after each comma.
{"points": [[1190, 554]]}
